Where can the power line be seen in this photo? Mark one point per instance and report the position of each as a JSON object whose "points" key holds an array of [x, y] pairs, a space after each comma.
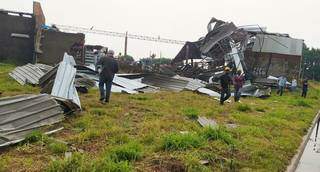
{"points": [[119, 34]]}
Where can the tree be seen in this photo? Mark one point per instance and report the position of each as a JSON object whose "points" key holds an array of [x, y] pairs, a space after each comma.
{"points": [[311, 62]]}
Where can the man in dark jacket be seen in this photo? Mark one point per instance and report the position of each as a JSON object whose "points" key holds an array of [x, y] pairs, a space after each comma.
{"points": [[304, 88], [107, 67], [238, 82], [225, 81]]}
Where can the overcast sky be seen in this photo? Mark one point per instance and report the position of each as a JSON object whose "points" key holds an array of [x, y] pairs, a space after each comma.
{"points": [[176, 19]]}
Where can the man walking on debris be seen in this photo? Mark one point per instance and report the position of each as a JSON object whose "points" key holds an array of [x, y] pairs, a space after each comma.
{"points": [[225, 81], [282, 85], [238, 82], [304, 88], [107, 67]]}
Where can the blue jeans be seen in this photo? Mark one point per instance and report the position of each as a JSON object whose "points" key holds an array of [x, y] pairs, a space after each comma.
{"points": [[105, 93]]}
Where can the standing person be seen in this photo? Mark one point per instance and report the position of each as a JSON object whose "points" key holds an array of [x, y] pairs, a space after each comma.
{"points": [[238, 82], [304, 88], [294, 85], [225, 81], [282, 85], [109, 66]]}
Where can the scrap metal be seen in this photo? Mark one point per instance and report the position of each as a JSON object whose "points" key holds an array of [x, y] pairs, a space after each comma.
{"points": [[27, 74], [64, 81], [20, 115]]}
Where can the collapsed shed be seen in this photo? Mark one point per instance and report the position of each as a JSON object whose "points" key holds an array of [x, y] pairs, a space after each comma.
{"points": [[247, 48]]}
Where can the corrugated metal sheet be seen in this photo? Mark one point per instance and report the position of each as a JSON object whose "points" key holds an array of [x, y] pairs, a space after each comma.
{"points": [[27, 74], [64, 82], [208, 92], [89, 58], [45, 68], [277, 44], [165, 82], [128, 83], [20, 115], [193, 84]]}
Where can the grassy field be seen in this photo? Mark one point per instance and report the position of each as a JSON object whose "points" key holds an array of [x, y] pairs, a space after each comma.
{"points": [[158, 132]]}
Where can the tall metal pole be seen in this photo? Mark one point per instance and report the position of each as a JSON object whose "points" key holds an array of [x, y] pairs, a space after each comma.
{"points": [[126, 44]]}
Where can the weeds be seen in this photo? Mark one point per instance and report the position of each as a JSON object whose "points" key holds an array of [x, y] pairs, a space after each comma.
{"points": [[244, 108], [181, 141], [219, 133], [109, 165], [35, 136], [57, 147], [302, 103], [191, 113], [131, 151], [76, 163]]}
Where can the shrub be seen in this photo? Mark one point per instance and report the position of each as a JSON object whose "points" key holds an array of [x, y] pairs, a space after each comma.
{"points": [[243, 108], [127, 152], [218, 133], [181, 141], [57, 148], [191, 113]]}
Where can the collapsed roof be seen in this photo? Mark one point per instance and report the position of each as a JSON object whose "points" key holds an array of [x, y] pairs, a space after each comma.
{"points": [[244, 48]]}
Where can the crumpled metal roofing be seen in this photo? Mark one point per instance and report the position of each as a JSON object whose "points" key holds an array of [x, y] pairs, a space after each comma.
{"points": [[27, 74], [45, 68], [165, 82], [64, 81], [193, 84], [128, 83], [20, 115], [208, 92]]}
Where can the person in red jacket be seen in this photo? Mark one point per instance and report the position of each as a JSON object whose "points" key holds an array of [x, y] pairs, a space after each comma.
{"points": [[238, 81]]}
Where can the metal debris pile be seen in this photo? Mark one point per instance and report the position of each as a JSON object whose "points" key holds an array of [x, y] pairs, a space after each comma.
{"points": [[20, 115]]}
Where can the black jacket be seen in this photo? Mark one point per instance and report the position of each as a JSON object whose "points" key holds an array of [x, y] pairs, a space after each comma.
{"points": [[225, 81], [109, 66]]}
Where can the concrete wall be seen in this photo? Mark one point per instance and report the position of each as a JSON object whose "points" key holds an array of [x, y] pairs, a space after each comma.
{"points": [[54, 44], [12, 49]]}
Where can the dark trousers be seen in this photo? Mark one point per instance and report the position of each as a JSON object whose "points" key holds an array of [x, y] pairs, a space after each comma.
{"points": [[105, 92], [237, 94], [280, 90], [225, 94], [304, 93]]}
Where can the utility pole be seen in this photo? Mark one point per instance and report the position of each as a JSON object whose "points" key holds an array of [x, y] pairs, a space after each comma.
{"points": [[126, 44]]}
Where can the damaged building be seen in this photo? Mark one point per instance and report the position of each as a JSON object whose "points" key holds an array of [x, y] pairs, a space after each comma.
{"points": [[250, 49], [25, 38]]}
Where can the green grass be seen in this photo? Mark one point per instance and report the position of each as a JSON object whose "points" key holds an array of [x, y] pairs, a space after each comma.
{"points": [[244, 108], [191, 113], [57, 147], [143, 133], [218, 133], [127, 152], [177, 141]]}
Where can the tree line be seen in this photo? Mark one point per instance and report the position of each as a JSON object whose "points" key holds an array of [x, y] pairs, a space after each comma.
{"points": [[311, 63]]}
